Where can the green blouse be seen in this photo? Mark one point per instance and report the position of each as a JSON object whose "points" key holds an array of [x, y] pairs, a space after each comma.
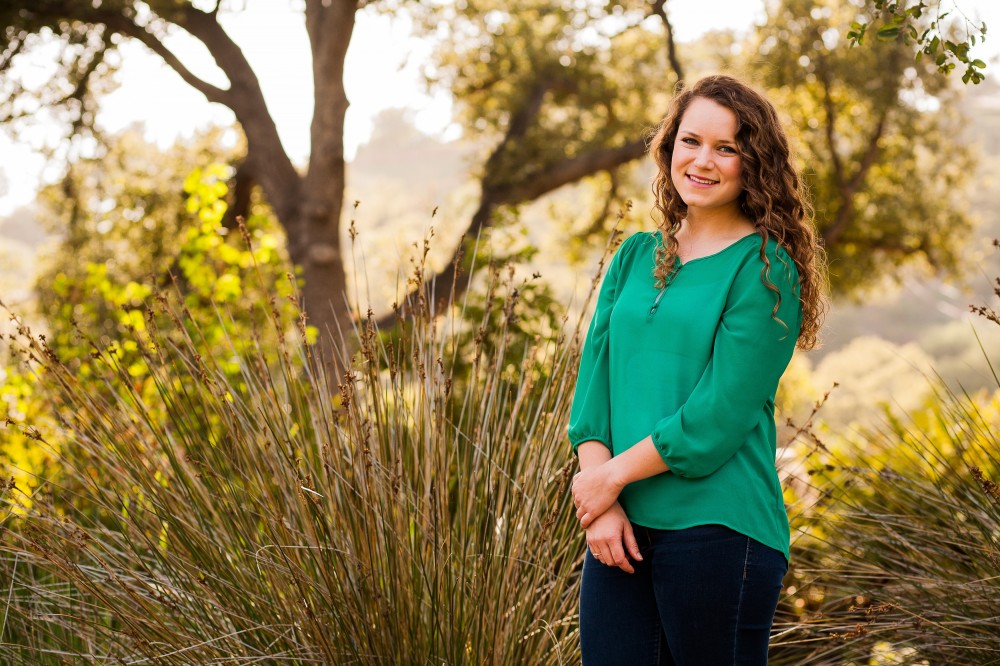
{"points": [[696, 367]]}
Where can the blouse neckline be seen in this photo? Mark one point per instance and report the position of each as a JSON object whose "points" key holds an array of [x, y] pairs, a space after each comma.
{"points": [[677, 260]]}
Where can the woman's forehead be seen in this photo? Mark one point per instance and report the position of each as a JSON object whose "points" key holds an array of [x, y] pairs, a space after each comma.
{"points": [[704, 116]]}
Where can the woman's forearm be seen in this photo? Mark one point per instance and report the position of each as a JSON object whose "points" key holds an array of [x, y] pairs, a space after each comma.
{"points": [[592, 454], [639, 462], [602, 478]]}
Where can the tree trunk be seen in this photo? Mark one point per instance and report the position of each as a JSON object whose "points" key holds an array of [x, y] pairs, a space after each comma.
{"points": [[314, 234], [308, 207], [324, 292]]}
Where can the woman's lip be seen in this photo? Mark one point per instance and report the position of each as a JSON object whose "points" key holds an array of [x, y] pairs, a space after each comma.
{"points": [[698, 182]]}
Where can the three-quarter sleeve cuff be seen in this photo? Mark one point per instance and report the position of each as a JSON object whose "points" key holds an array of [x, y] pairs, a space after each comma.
{"points": [[660, 441], [577, 441], [680, 461]]}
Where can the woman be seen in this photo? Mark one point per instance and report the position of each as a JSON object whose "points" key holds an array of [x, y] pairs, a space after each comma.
{"points": [[673, 416]]}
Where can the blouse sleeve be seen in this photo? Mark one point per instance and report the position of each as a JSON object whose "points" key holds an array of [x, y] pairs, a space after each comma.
{"points": [[749, 355], [590, 415]]}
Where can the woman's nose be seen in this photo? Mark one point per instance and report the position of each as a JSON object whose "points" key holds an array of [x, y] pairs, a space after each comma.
{"points": [[703, 157]]}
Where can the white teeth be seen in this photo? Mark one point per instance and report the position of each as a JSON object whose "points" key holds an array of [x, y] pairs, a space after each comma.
{"points": [[703, 181]]}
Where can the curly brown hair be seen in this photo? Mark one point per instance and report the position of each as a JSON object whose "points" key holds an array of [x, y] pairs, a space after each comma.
{"points": [[773, 196]]}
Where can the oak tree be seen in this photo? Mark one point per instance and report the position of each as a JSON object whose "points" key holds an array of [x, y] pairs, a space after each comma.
{"points": [[308, 204], [879, 143]]}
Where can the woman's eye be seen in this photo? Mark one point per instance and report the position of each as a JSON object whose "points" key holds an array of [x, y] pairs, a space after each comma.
{"points": [[689, 141], [728, 149]]}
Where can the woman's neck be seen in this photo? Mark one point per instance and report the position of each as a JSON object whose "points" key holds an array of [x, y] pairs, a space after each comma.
{"points": [[721, 224]]}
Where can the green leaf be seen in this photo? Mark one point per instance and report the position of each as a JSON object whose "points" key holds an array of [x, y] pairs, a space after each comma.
{"points": [[887, 33]]}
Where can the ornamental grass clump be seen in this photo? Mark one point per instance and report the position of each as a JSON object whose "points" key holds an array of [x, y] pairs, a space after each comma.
{"points": [[402, 502]]}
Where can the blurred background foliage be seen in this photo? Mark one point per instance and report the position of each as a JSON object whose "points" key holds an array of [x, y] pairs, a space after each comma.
{"points": [[145, 312], [875, 131]]}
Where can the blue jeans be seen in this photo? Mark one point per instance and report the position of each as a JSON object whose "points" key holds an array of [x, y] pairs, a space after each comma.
{"points": [[702, 596]]}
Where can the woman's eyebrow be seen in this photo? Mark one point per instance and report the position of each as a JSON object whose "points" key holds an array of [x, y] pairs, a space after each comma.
{"points": [[698, 136]]}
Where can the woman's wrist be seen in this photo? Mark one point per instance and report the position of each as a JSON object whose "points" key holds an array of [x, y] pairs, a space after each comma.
{"points": [[638, 462], [617, 472], [592, 453]]}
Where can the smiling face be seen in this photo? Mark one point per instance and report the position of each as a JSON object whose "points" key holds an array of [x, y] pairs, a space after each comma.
{"points": [[706, 168]]}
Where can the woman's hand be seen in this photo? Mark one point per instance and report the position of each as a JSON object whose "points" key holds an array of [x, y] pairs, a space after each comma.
{"points": [[595, 489], [607, 535]]}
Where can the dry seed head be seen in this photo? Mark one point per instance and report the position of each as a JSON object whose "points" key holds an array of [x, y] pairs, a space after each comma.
{"points": [[989, 487], [986, 312]]}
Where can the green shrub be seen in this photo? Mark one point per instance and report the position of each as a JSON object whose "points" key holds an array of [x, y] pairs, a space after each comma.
{"points": [[896, 558]]}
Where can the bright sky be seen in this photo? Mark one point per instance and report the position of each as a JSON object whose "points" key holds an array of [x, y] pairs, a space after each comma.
{"points": [[382, 71]]}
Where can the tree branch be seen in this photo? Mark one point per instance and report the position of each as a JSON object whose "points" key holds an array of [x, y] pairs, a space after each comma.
{"points": [[871, 152], [844, 216], [241, 189], [520, 121], [572, 170], [119, 23], [80, 91], [451, 282], [660, 9], [831, 119], [266, 157]]}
